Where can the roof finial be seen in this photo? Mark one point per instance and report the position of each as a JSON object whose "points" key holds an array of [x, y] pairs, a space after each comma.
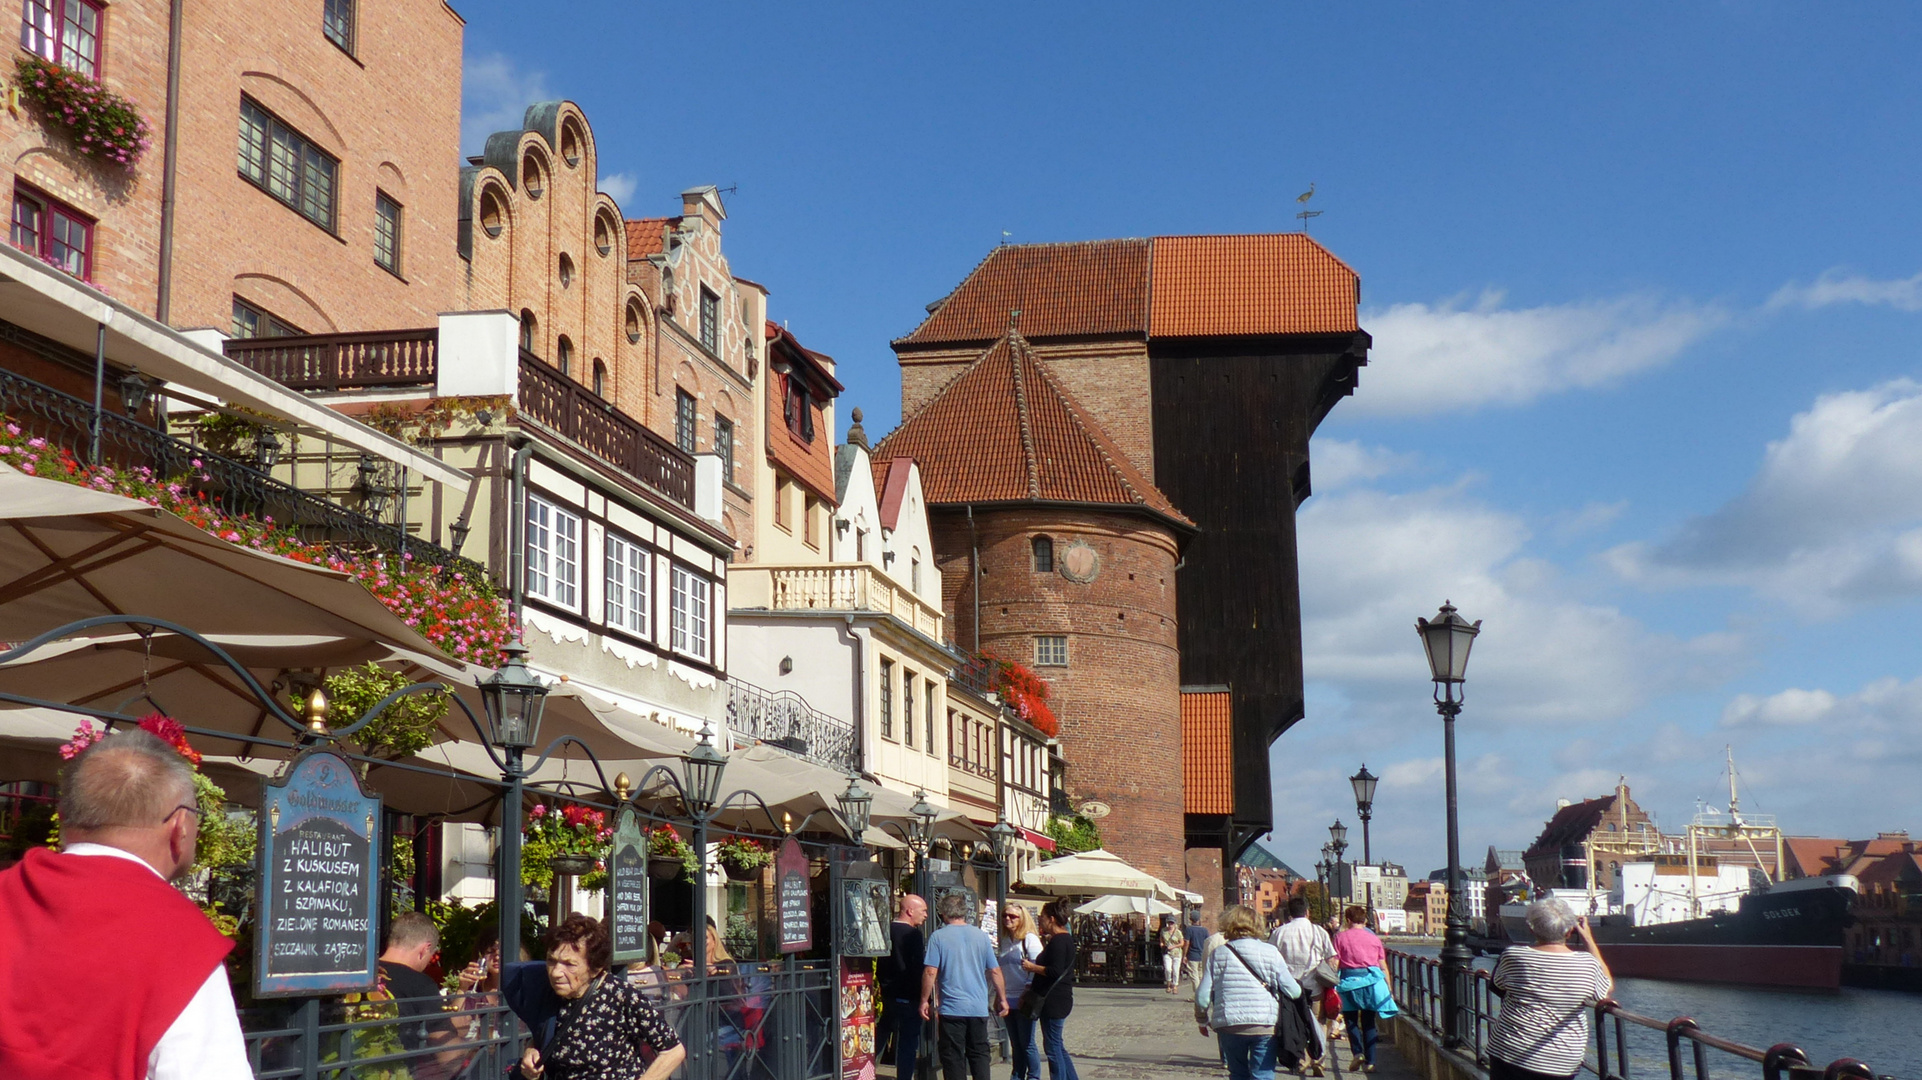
{"points": [[858, 435], [1014, 321]]}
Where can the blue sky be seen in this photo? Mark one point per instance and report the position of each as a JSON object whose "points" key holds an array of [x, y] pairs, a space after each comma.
{"points": [[1646, 291]]}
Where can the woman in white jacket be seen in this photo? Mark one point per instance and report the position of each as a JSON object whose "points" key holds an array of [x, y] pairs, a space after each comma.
{"points": [[1239, 988]]}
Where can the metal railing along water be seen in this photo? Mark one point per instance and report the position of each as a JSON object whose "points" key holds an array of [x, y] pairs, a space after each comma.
{"points": [[230, 486], [1684, 1048], [785, 719]]}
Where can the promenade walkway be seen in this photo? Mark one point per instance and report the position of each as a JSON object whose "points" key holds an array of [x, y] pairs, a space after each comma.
{"points": [[1145, 1034]]}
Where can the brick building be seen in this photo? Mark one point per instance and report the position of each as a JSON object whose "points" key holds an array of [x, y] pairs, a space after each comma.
{"points": [[1204, 363], [1585, 843], [1072, 554]]}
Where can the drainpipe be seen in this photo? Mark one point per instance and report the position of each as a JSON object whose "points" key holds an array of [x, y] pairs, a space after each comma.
{"points": [[860, 692], [163, 303], [974, 566], [99, 388], [517, 527]]}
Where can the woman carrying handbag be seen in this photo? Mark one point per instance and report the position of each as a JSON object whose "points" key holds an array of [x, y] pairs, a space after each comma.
{"points": [[1251, 999]]}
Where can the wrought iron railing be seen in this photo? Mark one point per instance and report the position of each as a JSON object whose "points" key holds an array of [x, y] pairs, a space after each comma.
{"points": [[229, 485], [1626, 1044], [979, 674], [318, 1039], [575, 412], [343, 361], [785, 719]]}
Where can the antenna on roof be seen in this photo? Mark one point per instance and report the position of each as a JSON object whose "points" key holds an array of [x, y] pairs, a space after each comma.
{"points": [[729, 190], [1004, 238], [1306, 213]]}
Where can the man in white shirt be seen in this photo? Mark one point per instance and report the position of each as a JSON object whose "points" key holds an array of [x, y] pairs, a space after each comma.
{"points": [[1303, 947], [138, 991]]}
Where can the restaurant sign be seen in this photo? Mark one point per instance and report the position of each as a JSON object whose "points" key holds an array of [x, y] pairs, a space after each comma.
{"points": [[627, 892], [319, 880], [795, 901]]}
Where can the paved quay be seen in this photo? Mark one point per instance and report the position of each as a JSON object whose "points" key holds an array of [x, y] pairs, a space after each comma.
{"points": [[1146, 1034]]}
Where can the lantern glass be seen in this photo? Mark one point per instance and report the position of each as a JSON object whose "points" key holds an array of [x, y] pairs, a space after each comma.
{"points": [[921, 829], [513, 700], [267, 448], [134, 390], [1338, 833], [702, 768], [1447, 639], [856, 804], [1002, 837], [1364, 784]]}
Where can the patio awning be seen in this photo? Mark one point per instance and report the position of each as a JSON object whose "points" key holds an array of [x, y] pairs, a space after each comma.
{"points": [[1095, 873], [54, 305]]}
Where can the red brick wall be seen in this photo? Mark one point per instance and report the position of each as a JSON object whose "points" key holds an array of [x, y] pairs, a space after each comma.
{"points": [[1118, 699]]}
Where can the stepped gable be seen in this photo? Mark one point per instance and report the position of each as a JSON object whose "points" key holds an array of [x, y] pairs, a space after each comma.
{"points": [[1249, 285], [1063, 290], [1004, 431]]}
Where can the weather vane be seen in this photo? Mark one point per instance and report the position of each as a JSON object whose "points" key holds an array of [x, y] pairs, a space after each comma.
{"points": [[1306, 213]]}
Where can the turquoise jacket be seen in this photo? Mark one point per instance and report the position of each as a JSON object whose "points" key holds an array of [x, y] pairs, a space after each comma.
{"points": [[1366, 989]]}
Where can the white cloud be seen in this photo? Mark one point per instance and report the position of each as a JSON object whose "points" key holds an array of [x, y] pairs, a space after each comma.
{"points": [[1790, 707], [1340, 462], [1457, 356], [1837, 287], [495, 94], [1831, 520], [619, 186]]}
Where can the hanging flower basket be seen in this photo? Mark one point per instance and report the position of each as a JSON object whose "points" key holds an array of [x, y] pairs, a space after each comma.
{"points": [[669, 856], [663, 869], [570, 863], [742, 859]]}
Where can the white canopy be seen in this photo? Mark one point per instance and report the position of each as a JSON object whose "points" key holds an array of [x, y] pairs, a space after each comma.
{"points": [[1126, 905], [1095, 873]]}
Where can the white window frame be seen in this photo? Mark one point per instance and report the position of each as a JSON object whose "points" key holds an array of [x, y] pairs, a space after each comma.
{"points": [[690, 609], [629, 586], [553, 553], [1044, 653]]}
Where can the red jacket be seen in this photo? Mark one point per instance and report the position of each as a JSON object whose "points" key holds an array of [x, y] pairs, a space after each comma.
{"points": [[98, 956]]}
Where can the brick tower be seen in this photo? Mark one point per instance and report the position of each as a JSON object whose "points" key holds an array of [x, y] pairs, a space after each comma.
{"points": [[1057, 552]]}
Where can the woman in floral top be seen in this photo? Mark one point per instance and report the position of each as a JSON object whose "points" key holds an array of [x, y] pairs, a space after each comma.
{"points": [[602, 1023]]}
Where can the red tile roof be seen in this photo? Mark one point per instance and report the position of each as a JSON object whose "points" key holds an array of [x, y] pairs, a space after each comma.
{"points": [[647, 236], [1004, 431], [1168, 286], [1571, 825], [1812, 856], [893, 491], [1207, 752], [1092, 287], [1250, 286]]}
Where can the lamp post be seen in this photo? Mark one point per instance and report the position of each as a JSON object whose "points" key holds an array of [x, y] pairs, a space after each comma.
{"points": [[701, 769], [855, 803], [1001, 842], [513, 700], [1338, 843], [1364, 784], [920, 838], [1447, 639]]}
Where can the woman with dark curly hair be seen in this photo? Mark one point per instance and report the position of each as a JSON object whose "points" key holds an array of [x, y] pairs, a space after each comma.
{"points": [[587, 1025]]}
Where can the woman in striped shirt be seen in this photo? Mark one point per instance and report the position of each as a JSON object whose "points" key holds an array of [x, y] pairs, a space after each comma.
{"points": [[1546, 988]]}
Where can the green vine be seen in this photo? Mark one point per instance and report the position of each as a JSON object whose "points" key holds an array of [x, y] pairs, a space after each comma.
{"points": [[1072, 835], [424, 423], [405, 727]]}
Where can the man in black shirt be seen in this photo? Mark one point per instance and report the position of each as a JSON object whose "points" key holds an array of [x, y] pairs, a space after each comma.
{"points": [[900, 979], [412, 943]]}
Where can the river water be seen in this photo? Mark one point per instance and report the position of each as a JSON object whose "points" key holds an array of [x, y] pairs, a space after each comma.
{"points": [[1882, 1028]]}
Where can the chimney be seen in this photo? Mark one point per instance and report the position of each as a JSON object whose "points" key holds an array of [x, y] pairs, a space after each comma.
{"points": [[704, 203]]}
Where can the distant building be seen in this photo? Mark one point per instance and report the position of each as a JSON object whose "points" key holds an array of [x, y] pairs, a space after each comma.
{"points": [[1427, 906], [1474, 891], [1585, 843]]}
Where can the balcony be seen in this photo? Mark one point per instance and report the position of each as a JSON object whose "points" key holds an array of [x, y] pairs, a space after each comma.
{"points": [[574, 412], [786, 720], [846, 587], [343, 361], [978, 674], [236, 488]]}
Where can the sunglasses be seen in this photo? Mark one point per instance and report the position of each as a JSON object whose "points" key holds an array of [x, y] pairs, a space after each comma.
{"points": [[196, 811]]}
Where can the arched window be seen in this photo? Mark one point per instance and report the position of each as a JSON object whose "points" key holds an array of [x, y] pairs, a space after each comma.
{"points": [[564, 355], [528, 328], [600, 378], [634, 322], [1043, 555]]}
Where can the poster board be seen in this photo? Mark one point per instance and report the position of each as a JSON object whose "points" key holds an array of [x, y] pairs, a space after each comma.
{"points": [[319, 893], [858, 995], [793, 899], [627, 889], [864, 906]]}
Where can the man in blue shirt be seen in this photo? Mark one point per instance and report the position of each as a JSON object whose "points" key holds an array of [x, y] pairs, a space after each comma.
{"points": [[1197, 937], [963, 975]]}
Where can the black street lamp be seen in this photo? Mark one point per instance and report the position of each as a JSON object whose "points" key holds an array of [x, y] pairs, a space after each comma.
{"points": [[266, 450], [1364, 784], [134, 389], [1001, 840], [921, 839], [1338, 845], [856, 803], [513, 700], [1447, 639], [701, 770]]}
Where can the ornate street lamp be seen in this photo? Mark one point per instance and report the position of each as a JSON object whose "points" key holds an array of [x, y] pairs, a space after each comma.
{"points": [[1364, 784], [266, 449], [1001, 840], [920, 837], [701, 770], [1447, 639], [1337, 847], [1338, 835], [513, 700], [856, 803], [373, 493]]}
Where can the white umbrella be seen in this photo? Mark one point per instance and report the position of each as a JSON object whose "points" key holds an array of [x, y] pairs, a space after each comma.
{"points": [[1094, 873], [1125, 905]]}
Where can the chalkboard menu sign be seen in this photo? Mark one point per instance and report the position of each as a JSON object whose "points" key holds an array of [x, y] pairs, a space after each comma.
{"points": [[627, 888], [794, 901], [319, 880]]}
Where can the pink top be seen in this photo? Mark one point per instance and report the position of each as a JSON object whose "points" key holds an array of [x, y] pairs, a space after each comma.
{"points": [[1358, 947]]}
